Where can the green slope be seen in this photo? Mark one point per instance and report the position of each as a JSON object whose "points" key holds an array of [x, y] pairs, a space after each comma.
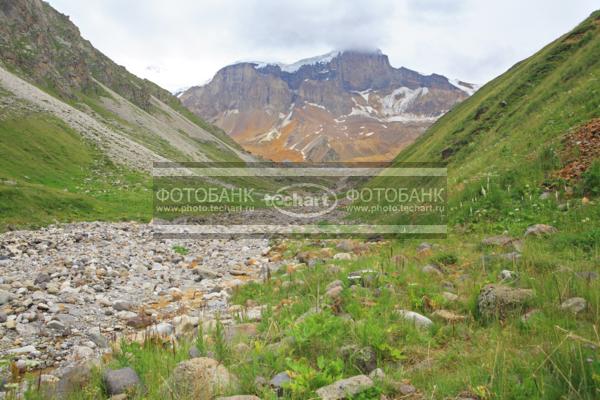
{"points": [[49, 173], [514, 124], [506, 142]]}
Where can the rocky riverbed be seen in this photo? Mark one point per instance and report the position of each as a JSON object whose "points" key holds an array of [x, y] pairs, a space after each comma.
{"points": [[66, 291]]}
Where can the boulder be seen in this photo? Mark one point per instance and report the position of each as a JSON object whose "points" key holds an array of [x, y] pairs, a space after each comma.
{"points": [[119, 381], [345, 388], [498, 300], [199, 378]]}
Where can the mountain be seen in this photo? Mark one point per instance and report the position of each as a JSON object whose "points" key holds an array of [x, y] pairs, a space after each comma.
{"points": [[73, 122], [345, 105]]}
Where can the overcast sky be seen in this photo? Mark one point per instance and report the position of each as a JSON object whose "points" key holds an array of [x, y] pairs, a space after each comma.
{"points": [[179, 43]]}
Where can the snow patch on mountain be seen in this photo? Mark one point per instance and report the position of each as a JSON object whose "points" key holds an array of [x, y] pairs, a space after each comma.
{"points": [[468, 88], [291, 68]]}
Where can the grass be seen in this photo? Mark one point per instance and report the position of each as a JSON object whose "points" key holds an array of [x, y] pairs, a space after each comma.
{"points": [[49, 173]]}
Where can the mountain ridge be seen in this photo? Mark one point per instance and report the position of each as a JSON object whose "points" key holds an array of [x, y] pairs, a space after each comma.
{"points": [[286, 111]]}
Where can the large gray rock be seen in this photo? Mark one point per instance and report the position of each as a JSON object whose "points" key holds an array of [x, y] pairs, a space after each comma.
{"points": [[124, 380], [199, 378], [345, 388], [499, 300]]}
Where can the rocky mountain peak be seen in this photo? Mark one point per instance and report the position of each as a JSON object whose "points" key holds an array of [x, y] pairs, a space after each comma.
{"points": [[346, 104]]}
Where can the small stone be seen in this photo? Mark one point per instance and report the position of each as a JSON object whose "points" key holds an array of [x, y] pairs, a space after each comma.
{"points": [[280, 380], [540, 230], [343, 256], [97, 338], [574, 305], [162, 329], [507, 275], [120, 381], [500, 241], [11, 324], [24, 350], [334, 293], [205, 273], [419, 320], [345, 388], [346, 245], [193, 352], [405, 389], [431, 270], [3, 317], [56, 326], [41, 278], [121, 305], [587, 275], [82, 353], [5, 297]]}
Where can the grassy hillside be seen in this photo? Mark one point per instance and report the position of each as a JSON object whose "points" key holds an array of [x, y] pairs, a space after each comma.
{"points": [[48, 173], [511, 131], [60, 176]]}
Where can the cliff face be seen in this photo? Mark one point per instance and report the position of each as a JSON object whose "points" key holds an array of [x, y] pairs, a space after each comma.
{"points": [[347, 105]]}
